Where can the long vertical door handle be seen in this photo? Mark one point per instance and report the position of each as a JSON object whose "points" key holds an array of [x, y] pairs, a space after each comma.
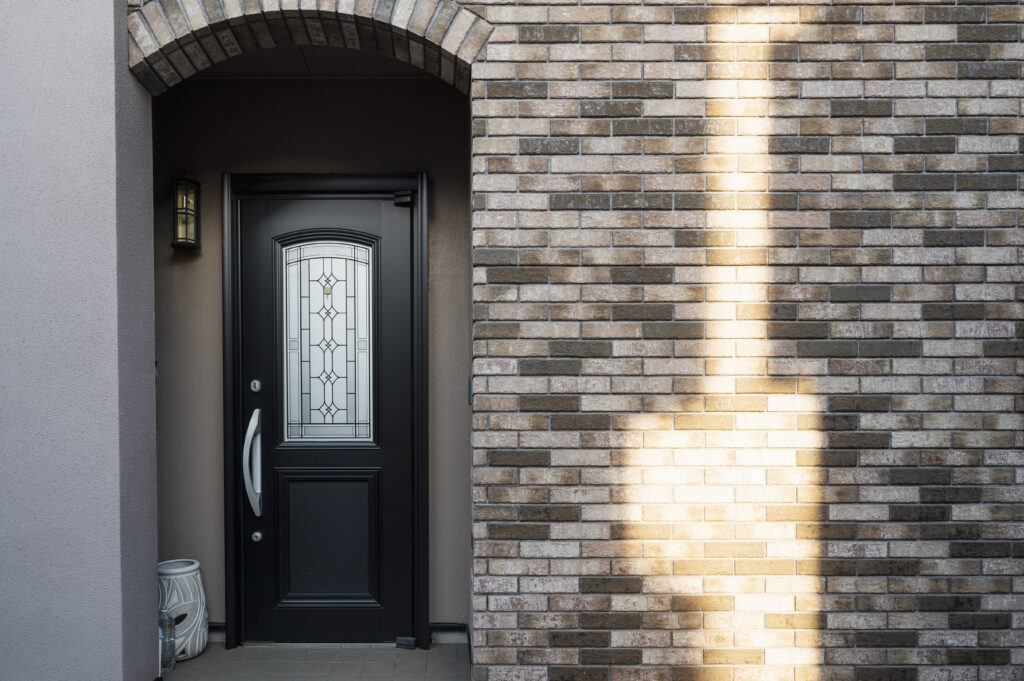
{"points": [[252, 464]]}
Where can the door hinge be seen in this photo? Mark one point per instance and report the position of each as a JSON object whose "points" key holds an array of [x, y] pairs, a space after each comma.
{"points": [[403, 198]]}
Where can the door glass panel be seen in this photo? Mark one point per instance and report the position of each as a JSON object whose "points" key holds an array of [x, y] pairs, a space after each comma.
{"points": [[328, 393]]}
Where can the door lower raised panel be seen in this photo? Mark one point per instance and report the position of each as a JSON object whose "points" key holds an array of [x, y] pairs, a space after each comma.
{"points": [[330, 558], [330, 537]]}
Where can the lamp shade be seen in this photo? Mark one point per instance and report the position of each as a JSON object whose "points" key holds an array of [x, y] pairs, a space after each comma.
{"points": [[186, 214]]}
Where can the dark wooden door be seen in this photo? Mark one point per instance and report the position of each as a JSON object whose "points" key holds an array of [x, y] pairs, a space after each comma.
{"points": [[325, 399]]}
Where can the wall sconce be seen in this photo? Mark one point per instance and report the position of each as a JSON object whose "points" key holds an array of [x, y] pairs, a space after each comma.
{"points": [[186, 214]]}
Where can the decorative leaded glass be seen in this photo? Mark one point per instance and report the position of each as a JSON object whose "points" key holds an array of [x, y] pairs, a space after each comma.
{"points": [[327, 374]]}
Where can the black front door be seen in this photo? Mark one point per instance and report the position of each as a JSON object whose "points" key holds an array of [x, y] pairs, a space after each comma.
{"points": [[325, 416]]}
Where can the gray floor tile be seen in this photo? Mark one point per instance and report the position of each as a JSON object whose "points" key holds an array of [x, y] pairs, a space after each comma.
{"points": [[379, 668], [444, 662], [412, 665], [315, 668]]}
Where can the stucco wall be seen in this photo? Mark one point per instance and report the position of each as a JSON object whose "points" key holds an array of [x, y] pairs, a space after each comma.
{"points": [[136, 371], [204, 128], [77, 510]]}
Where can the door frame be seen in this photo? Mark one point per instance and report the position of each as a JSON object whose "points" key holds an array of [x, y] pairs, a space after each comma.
{"points": [[409, 189]]}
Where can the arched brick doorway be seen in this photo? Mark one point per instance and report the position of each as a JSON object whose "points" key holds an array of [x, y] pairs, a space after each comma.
{"points": [[169, 43], [205, 59]]}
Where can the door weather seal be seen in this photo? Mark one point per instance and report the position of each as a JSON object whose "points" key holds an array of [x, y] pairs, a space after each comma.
{"points": [[405, 642]]}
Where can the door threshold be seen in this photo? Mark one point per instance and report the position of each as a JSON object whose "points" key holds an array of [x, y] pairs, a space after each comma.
{"points": [[278, 644]]}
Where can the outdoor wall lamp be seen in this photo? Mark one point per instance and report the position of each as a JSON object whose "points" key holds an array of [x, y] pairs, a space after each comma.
{"points": [[186, 214]]}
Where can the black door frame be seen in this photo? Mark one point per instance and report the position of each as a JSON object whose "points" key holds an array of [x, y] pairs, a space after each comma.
{"points": [[407, 189]]}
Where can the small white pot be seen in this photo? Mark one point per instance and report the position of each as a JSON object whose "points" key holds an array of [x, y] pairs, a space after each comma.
{"points": [[181, 593]]}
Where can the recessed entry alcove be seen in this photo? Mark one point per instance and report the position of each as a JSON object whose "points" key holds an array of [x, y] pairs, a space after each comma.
{"points": [[314, 113]]}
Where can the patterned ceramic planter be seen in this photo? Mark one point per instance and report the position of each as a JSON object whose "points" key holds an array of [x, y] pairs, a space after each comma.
{"points": [[182, 595]]}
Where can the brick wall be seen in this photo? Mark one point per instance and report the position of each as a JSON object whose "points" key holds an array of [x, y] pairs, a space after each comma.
{"points": [[747, 344]]}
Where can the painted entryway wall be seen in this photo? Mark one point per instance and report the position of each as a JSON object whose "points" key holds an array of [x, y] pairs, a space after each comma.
{"points": [[77, 442], [206, 127]]}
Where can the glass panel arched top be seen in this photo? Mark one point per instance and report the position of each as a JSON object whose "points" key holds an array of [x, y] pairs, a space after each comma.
{"points": [[328, 349]]}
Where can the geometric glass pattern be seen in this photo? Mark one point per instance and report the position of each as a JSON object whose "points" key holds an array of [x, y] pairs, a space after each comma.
{"points": [[327, 365]]}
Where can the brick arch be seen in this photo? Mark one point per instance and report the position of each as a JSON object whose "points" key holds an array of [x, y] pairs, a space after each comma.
{"points": [[170, 40]]}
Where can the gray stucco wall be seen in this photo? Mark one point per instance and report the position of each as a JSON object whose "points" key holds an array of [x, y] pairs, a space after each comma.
{"points": [[136, 369], [306, 126], [77, 518]]}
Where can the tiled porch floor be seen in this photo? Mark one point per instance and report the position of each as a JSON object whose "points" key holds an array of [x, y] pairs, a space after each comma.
{"points": [[443, 662]]}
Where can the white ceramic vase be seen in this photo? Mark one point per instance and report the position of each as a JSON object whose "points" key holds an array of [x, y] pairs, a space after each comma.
{"points": [[182, 595]]}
